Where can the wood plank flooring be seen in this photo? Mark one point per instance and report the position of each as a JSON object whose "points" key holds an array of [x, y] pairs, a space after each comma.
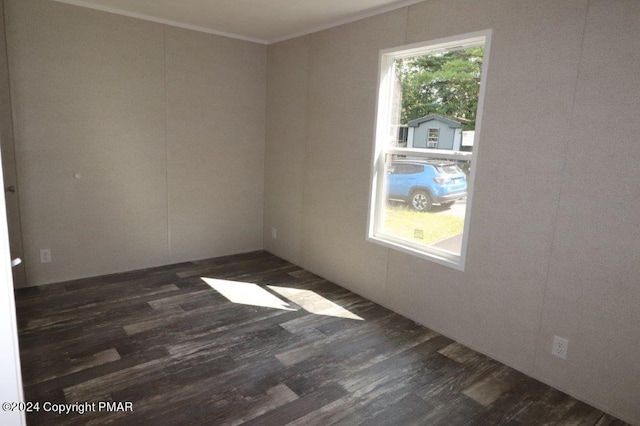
{"points": [[183, 353]]}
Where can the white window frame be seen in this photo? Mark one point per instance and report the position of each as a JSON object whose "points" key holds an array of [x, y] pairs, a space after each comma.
{"points": [[433, 143], [384, 136]]}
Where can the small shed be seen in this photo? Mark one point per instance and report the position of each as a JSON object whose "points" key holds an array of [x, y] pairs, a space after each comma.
{"points": [[434, 131]]}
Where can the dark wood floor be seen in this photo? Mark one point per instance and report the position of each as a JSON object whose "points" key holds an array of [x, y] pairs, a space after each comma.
{"points": [[183, 353]]}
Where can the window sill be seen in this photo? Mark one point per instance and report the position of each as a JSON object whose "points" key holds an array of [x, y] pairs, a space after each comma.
{"points": [[457, 263]]}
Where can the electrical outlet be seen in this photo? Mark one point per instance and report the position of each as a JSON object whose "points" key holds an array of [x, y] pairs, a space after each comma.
{"points": [[274, 233], [559, 348], [45, 256]]}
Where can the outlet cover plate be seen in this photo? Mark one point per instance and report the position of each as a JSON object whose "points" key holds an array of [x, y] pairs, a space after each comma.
{"points": [[560, 347], [45, 256]]}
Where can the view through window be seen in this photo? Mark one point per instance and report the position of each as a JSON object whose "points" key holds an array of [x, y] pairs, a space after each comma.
{"points": [[428, 123]]}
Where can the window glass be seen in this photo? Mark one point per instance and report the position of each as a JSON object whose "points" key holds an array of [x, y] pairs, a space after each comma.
{"points": [[432, 138]]}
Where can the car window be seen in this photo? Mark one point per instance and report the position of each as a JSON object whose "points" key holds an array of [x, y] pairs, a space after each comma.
{"points": [[406, 169], [449, 169]]}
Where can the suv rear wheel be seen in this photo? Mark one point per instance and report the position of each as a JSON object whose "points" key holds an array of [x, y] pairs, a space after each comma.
{"points": [[421, 200]]}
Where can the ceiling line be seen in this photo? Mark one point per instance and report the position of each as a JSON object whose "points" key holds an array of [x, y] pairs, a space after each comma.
{"points": [[357, 17], [159, 20], [169, 22]]}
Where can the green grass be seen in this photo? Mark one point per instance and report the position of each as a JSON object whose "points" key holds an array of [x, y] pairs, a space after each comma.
{"points": [[400, 221]]}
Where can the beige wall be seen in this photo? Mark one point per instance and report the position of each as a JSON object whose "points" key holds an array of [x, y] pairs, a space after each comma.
{"points": [[287, 76], [165, 127], [593, 290], [554, 235], [215, 131]]}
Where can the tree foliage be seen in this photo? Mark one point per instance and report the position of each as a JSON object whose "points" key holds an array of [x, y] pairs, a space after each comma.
{"points": [[447, 84]]}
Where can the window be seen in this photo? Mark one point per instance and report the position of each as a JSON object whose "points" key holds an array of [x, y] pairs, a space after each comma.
{"points": [[421, 199], [432, 138], [403, 135]]}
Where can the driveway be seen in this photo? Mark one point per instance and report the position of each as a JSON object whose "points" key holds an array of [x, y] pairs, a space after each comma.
{"points": [[452, 244], [456, 210]]}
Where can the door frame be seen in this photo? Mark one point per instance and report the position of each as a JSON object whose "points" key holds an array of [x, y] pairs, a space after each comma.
{"points": [[10, 373]]}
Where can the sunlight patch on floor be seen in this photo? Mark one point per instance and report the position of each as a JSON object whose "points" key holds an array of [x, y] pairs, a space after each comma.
{"points": [[314, 303], [254, 295], [247, 294]]}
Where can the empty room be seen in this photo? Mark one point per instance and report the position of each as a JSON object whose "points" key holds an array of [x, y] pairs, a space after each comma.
{"points": [[320, 212]]}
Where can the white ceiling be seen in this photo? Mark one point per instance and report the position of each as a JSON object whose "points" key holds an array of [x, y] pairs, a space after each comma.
{"points": [[262, 21]]}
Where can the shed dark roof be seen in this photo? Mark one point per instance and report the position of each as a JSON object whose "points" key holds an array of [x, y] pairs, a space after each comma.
{"points": [[447, 121]]}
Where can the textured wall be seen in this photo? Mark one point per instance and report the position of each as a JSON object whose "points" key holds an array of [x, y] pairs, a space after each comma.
{"points": [[287, 77], [165, 127], [341, 104], [553, 240], [215, 133], [593, 290]]}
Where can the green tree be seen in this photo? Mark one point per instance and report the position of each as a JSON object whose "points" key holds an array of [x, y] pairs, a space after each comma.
{"points": [[446, 83]]}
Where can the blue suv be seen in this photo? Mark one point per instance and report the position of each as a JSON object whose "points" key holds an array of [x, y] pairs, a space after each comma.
{"points": [[423, 183]]}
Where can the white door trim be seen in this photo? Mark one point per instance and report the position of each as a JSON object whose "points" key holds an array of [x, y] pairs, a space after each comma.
{"points": [[10, 374]]}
